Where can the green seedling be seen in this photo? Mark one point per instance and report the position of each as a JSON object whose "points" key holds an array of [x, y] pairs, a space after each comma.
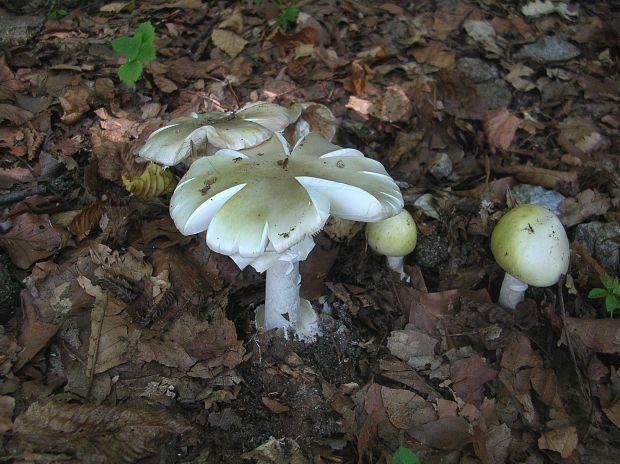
{"points": [[288, 12], [137, 50], [405, 456], [56, 11], [610, 292]]}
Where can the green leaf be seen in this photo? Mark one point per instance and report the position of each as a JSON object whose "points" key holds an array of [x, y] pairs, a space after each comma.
{"points": [[598, 293], [126, 46], [405, 456], [607, 281], [611, 303], [615, 286], [146, 53], [130, 72], [145, 33], [288, 15]]}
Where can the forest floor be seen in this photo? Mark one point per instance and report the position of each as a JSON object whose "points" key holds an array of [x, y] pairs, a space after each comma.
{"points": [[123, 341]]}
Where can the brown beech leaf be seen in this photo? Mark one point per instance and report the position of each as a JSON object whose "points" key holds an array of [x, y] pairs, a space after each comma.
{"points": [[229, 42], [563, 440], [435, 54], [32, 237], [600, 335], [93, 433], [500, 127], [13, 114], [468, 376], [360, 75], [274, 406], [585, 205], [86, 220]]}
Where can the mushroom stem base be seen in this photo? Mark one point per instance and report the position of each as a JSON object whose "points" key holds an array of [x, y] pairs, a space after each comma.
{"points": [[512, 291], [284, 309]]}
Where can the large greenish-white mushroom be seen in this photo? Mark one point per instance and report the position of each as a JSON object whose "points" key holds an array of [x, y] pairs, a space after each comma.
{"points": [[244, 128], [530, 244], [394, 237], [262, 205]]}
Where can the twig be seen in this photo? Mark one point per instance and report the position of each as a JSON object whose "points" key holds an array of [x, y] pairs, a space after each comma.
{"points": [[14, 197]]}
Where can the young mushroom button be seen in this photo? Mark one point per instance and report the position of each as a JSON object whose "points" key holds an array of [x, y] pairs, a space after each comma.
{"points": [[395, 238], [262, 205], [530, 244], [187, 135]]}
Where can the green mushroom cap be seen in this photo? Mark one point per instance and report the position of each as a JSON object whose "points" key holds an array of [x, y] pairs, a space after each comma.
{"points": [[530, 243], [395, 236]]}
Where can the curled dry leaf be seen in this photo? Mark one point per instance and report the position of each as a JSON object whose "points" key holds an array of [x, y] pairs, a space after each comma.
{"points": [[31, 238], [93, 433], [74, 104], [360, 75], [86, 220], [500, 127], [274, 406], [155, 181]]}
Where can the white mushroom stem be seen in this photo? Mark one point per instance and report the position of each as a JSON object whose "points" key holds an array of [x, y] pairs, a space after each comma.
{"points": [[512, 291], [397, 263], [284, 309]]}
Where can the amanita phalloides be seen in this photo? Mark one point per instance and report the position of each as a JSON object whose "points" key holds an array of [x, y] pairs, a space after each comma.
{"points": [[394, 237], [187, 135], [261, 206], [530, 244]]}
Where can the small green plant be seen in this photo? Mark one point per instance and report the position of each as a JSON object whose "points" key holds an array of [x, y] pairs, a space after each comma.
{"points": [[611, 293], [137, 50], [405, 456], [288, 12], [56, 11]]}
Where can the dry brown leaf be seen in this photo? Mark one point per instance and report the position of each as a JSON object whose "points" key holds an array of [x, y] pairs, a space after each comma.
{"points": [[93, 433], [394, 106], [277, 450], [563, 440], [31, 238], [500, 127], [164, 84], [613, 413], [274, 406], [7, 405], [600, 335], [468, 377], [233, 21], [516, 77], [519, 354], [360, 75], [86, 220], [561, 181], [14, 115], [405, 409], [451, 433], [108, 343], [435, 54], [229, 42], [74, 104], [585, 205]]}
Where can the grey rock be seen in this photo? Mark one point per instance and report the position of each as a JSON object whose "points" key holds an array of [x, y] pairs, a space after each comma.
{"points": [[496, 93], [18, 30], [548, 49], [597, 238], [476, 69], [537, 195], [442, 167]]}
